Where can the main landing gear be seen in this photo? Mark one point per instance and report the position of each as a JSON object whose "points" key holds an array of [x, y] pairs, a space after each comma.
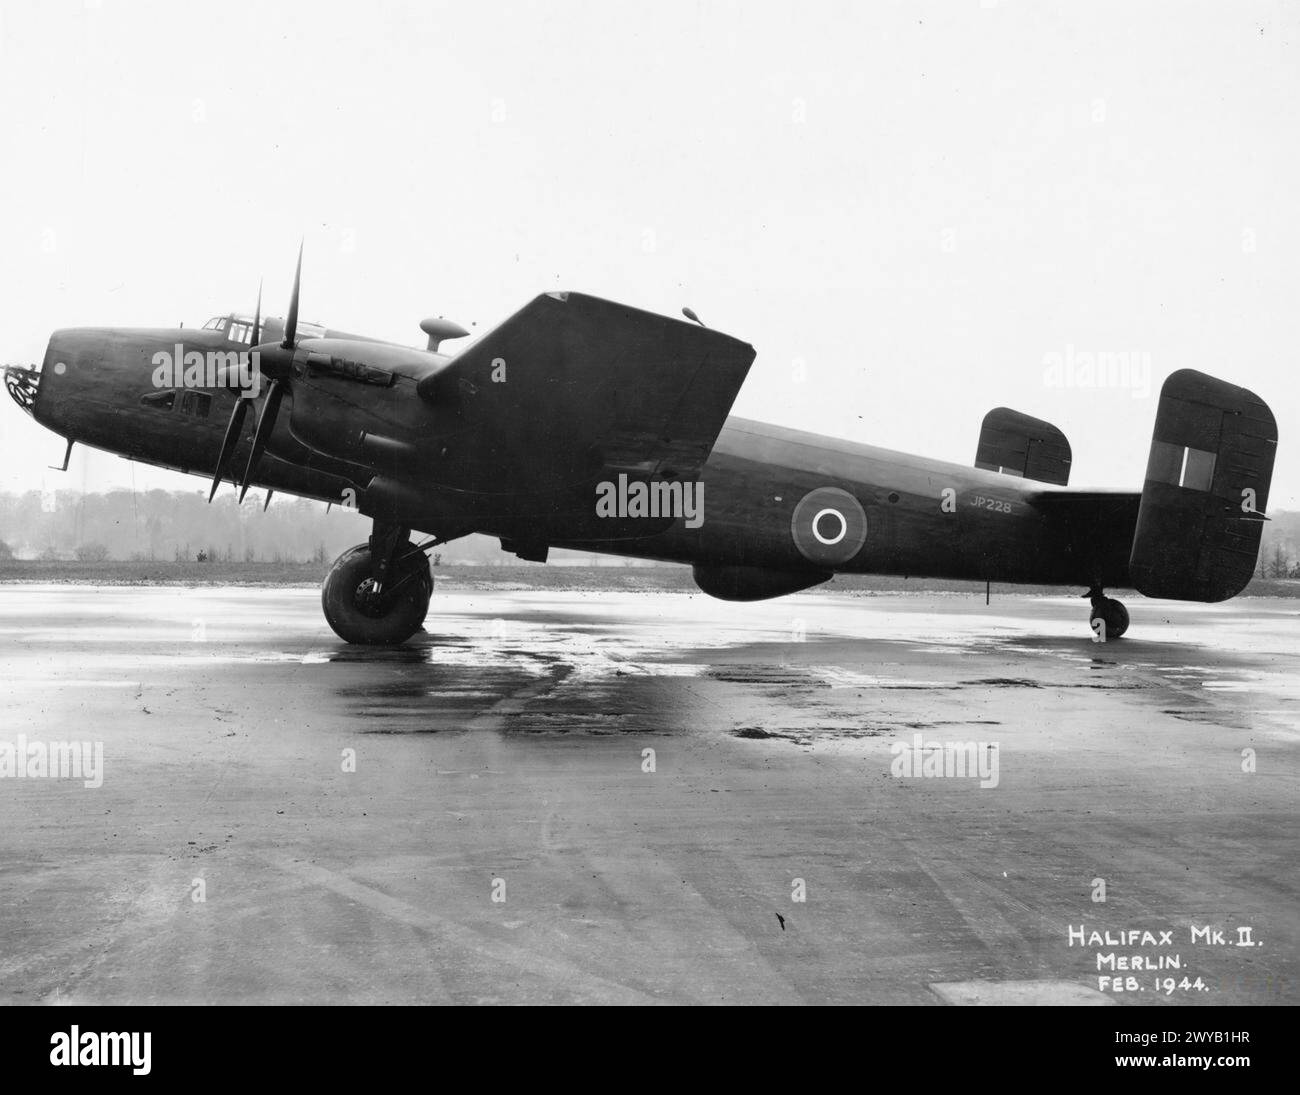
{"points": [[1109, 617], [377, 593]]}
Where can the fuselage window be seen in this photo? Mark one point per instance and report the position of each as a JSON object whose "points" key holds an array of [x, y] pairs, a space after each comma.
{"points": [[196, 403], [164, 401]]}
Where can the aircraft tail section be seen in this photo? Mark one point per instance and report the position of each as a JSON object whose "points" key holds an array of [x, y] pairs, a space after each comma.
{"points": [[1014, 443], [1206, 490]]}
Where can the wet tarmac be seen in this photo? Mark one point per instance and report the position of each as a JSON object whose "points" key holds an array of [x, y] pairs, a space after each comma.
{"points": [[634, 798]]}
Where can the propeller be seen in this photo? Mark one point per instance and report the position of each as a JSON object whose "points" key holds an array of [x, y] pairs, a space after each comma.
{"points": [[275, 362], [291, 323], [236, 423], [265, 423]]}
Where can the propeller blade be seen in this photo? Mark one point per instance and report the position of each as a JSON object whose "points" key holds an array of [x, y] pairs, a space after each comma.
{"points": [[257, 317], [267, 503], [265, 423], [228, 443], [291, 322], [225, 372]]}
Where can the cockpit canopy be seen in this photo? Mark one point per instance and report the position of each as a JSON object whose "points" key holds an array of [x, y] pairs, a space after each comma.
{"points": [[239, 328]]}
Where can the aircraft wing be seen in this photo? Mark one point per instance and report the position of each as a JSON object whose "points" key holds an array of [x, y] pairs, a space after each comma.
{"points": [[572, 389]]}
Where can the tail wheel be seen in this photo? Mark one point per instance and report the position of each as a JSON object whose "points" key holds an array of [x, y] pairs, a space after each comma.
{"points": [[359, 614], [1113, 616]]}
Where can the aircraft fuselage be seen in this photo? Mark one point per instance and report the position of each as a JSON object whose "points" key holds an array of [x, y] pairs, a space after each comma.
{"points": [[914, 516]]}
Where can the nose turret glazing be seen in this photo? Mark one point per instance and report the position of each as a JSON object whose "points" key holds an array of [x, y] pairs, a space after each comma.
{"points": [[22, 383]]}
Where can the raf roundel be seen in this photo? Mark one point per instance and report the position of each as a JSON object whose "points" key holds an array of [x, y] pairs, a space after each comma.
{"points": [[829, 526]]}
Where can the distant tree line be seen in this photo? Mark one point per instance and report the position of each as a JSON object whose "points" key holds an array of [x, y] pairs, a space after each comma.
{"points": [[161, 525], [1279, 553]]}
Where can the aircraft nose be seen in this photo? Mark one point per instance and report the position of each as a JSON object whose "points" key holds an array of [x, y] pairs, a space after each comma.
{"points": [[29, 385], [23, 382]]}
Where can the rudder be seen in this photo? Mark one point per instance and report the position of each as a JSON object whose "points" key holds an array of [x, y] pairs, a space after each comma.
{"points": [[1206, 490]]}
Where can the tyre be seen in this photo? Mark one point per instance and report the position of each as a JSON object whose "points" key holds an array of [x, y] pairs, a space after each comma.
{"points": [[1112, 614], [358, 615]]}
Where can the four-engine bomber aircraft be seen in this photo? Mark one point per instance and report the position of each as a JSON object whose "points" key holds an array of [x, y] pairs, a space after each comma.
{"points": [[587, 424]]}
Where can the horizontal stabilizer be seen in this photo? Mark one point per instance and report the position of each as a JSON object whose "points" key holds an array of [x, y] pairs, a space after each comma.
{"points": [[1206, 490], [1016, 444]]}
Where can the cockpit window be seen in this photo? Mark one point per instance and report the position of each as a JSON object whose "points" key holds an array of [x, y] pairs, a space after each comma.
{"points": [[240, 332], [216, 323], [196, 403], [164, 401]]}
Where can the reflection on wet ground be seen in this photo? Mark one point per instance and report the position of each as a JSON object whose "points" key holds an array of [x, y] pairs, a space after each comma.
{"points": [[612, 663], [602, 671]]}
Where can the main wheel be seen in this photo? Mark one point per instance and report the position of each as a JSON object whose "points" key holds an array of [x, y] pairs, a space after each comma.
{"points": [[360, 615], [1112, 614]]}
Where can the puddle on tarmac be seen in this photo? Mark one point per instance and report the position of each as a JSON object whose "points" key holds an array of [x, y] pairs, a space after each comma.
{"points": [[810, 735]]}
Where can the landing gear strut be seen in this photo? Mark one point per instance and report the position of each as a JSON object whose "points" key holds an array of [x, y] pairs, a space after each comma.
{"points": [[377, 593], [1109, 617]]}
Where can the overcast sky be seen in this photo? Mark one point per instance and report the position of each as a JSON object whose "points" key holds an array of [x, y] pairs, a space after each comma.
{"points": [[904, 207]]}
